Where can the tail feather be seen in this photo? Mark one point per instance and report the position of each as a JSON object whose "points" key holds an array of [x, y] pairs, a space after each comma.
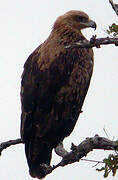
{"points": [[37, 153]]}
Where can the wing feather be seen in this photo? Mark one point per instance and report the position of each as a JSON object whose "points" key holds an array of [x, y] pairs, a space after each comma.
{"points": [[39, 87]]}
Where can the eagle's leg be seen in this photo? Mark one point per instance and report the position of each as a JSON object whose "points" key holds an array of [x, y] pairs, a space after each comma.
{"points": [[60, 151]]}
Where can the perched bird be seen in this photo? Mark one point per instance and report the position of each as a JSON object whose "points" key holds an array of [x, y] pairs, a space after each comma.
{"points": [[53, 88]]}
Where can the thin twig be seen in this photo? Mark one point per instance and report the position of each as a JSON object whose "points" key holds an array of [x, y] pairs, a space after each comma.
{"points": [[106, 133], [93, 161]]}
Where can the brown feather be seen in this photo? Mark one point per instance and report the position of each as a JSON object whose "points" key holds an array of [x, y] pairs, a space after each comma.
{"points": [[53, 88]]}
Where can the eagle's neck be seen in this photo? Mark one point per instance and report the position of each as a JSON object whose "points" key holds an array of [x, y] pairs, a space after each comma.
{"points": [[67, 34]]}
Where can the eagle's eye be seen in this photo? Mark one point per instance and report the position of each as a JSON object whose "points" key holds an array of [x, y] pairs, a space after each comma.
{"points": [[80, 18]]}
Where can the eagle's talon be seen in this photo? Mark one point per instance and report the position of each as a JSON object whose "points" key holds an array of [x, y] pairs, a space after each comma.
{"points": [[47, 168]]}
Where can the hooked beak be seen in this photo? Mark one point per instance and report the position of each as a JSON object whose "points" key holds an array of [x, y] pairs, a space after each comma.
{"points": [[92, 24]]}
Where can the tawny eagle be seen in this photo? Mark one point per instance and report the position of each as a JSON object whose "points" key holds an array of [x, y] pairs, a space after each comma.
{"points": [[54, 84]]}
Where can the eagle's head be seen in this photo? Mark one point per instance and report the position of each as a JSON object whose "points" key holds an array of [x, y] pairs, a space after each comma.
{"points": [[74, 19]]}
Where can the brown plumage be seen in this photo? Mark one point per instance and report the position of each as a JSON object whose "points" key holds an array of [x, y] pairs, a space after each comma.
{"points": [[53, 88]]}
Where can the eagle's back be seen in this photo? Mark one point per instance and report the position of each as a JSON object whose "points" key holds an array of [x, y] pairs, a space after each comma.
{"points": [[54, 85], [53, 88]]}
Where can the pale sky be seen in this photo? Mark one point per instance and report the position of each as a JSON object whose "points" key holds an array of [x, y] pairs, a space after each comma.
{"points": [[26, 24]]}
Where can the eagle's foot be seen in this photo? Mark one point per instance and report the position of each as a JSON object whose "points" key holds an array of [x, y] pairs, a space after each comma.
{"points": [[46, 168], [67, 157], [60, 150]]}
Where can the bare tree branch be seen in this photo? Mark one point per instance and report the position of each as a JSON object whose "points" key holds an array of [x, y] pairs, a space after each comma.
{"points": [[77, 153], [6, 144], [94, 42], [114, 6], [82, 150]]}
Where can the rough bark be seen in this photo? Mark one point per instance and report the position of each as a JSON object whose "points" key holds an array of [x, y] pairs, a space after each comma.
{"points": [[94, 42], [76, 153]]}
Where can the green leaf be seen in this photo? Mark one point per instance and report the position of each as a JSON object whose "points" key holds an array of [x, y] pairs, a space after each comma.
{"points": [[113, 30], [110, 165]]}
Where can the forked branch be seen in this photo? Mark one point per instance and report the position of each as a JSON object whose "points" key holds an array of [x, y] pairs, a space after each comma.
{"points": [[76, 153]]}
